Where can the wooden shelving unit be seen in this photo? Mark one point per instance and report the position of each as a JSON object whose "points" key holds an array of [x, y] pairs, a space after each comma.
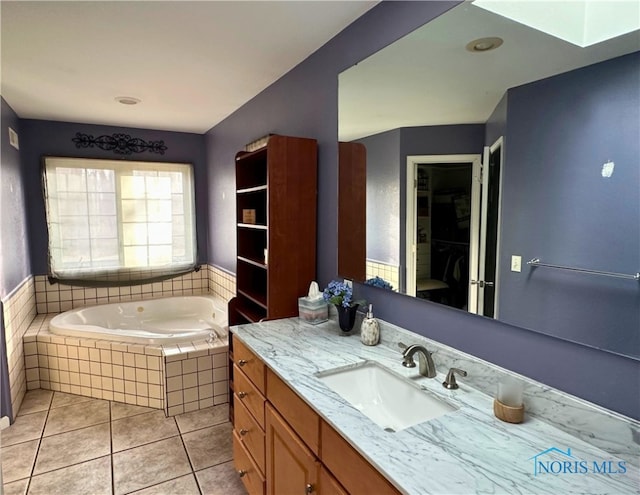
{"points": [[276, 192]]}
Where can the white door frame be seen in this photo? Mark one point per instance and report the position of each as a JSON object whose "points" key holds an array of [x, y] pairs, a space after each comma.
{"points": [[499, 143], [411, 219]]}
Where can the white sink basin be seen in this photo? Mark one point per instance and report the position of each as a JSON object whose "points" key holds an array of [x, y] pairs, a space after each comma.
{"points": [[392, 402]]}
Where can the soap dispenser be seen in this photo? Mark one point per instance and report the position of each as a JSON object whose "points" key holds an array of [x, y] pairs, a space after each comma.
{"points": [[369, 330]]}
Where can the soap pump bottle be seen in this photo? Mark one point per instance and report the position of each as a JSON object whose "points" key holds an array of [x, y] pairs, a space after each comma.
{"points": [[369, 330]]}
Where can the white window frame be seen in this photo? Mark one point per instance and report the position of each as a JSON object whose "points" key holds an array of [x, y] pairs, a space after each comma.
{"points": [[126, 268]]}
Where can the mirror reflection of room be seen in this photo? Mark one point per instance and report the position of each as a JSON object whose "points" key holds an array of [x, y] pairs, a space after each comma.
{"points": [[545, 116]]}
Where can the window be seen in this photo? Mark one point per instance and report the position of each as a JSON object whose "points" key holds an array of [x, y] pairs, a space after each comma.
{"points": [[119, 222]]}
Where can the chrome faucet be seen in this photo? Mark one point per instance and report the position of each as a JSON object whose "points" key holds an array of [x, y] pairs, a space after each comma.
{"points": [[427, 366]]}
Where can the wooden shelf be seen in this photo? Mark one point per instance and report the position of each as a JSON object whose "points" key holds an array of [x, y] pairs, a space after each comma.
{"points": [[251, 226], [254, 297], [250, 314], [259, 264], [249, 190]]}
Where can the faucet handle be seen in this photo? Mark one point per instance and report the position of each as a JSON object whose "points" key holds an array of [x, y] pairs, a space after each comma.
{"points": [[450, 380], [408, 362]]}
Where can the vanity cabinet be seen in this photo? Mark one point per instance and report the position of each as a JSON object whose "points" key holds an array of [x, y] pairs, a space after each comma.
{"points": [[282, 446], [276, 202], [248, 398]]}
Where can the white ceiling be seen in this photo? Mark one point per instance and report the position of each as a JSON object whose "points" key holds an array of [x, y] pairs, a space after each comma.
{"points": [[428, 78], [191, 63]]}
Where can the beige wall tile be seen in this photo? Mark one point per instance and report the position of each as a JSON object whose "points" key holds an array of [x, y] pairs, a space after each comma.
{"points": [[173, 368], [174, 383], [190, 380], [189, 366], [175, 398]]}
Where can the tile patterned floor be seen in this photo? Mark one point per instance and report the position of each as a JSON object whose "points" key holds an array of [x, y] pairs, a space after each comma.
{"points": [[66, 444]]}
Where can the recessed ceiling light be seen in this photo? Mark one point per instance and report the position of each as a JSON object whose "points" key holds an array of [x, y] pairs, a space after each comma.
{"points": [[484, 44], [128, 100]]}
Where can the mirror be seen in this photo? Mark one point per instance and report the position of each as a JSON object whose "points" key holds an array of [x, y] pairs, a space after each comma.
{"points": [[556, 127]]}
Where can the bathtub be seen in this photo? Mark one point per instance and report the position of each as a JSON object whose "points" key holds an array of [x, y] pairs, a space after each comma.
{"points": [[169, 320]]}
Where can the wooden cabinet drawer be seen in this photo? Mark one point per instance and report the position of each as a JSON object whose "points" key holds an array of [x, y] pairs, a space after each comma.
{"points": [[251, 477], [247, 393], [303, 420], [354, 471], [250, 364], [249, 433]]}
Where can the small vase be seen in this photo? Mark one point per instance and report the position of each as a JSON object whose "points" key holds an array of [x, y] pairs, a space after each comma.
{"points": [[346, 317]]}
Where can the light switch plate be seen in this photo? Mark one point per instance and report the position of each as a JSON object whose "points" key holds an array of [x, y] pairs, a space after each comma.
{"points": [[348, 283], [516, 263]]}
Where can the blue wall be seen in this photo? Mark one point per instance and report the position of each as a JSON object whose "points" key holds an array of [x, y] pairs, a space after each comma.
{"points": [[559, 208], [304, 102], [383, 196], [40, 138], [14, 245]]}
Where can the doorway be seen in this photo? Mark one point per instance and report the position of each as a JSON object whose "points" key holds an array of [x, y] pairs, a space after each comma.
{"points": [[443, 205], [453, 229]]}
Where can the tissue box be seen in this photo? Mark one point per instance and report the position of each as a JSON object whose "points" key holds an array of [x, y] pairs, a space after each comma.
{"points": [[313, 312]]}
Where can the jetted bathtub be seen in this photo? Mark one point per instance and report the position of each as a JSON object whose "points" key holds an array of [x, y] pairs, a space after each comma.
{"points": [[169, 320]]}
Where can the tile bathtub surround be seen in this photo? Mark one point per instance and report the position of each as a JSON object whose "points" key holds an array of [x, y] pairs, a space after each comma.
{"points": [[128, 373], [56, 298], [222, 283], [176, 378], [19, 310], [117, 449]]}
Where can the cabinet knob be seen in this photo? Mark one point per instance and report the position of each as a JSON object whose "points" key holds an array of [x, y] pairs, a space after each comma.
{"points": [[242, 473], [308, 488], [243, 432], [242, 395], [242, 362]]}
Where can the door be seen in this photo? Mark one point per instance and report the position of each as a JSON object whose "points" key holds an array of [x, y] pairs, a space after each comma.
{"points": [[291, 466], [442, 230], [487, 276]]}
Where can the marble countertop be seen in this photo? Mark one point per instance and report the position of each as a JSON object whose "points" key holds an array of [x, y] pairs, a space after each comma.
{"points": [[466, 451]]}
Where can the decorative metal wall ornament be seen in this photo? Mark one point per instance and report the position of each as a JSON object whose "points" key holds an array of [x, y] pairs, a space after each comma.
{"points": [[122, 144]]}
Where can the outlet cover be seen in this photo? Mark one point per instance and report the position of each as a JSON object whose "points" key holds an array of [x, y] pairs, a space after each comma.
{"points": [[348, 282]]}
